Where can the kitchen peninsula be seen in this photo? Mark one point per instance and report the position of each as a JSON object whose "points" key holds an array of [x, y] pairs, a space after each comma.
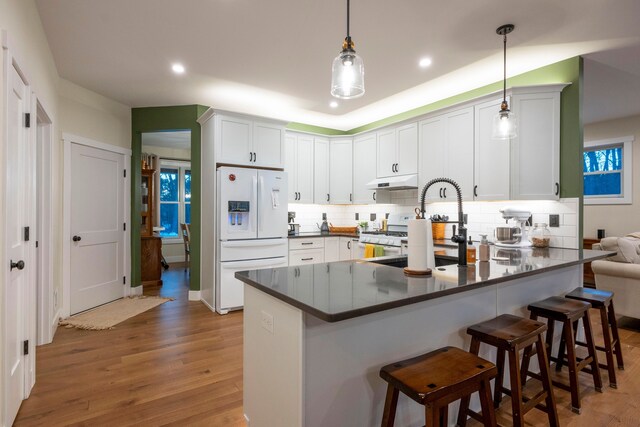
{"points": [[317, 335]]}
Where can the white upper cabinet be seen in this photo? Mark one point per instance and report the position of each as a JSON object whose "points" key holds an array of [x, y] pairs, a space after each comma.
{"points": [[299, 165], [341, 171], [268, 147], [364, 168], [446, 151], [407, 145], [535, 152], [397, 151], [321, 171], [235, 140], [492, 156], [242, 141]]}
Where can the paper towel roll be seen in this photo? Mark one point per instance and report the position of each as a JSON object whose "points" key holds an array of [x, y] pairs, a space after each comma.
{"points": [[420, 245]]}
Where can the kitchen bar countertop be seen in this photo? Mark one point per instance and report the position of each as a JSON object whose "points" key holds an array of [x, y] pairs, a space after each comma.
{"points": [[346, 289]]}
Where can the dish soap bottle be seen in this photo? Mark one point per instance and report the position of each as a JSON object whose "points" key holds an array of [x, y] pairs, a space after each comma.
{"points": [[471, 252], [484, 248]]}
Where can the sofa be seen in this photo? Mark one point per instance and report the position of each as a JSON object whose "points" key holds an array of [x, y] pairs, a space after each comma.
{"points": [[621, 273]]}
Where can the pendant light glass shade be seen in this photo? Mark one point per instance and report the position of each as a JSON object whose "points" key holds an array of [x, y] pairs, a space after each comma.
{"points": [[347, 75], [505, 125]]}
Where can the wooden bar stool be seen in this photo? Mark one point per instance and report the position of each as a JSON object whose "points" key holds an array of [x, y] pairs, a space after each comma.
{"points": [[510, 334], [436, 379], [569, 312], [603, 302]]}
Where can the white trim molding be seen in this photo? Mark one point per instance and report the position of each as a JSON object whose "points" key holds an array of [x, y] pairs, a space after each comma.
{"points": [[194, 295], [137, 291], [76, 139], [627, 171]]}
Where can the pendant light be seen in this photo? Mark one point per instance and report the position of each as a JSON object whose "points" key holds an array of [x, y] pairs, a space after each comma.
{"points": [[347, 73], [505, 125]]}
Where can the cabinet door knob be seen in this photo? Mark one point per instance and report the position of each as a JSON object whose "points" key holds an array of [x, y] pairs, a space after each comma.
{"points": [[76, 238], [557, 188], [19, 265], [349, 244]]}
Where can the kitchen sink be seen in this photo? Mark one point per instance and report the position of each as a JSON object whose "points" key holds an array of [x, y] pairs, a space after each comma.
{"points": [[401, 261]]}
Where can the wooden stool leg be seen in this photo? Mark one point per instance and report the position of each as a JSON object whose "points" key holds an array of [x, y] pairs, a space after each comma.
{"points": [[390, 404], [543, 361], [497, 393], [464, 402], [567, 331], [444, 416], [591, 346], [614, 331], [608, 347], [488, 413], [516, 387], [431, 416]]}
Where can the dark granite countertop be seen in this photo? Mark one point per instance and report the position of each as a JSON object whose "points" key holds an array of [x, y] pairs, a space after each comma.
{"points": [[318, 234], [346, 289]]}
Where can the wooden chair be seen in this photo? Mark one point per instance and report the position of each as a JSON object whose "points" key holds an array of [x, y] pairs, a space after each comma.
{"points": [[186, 239], [436, 379]]}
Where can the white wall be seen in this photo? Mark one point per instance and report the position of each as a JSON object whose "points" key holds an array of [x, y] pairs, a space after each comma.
{"points": [[617, 220], [71, 108]]}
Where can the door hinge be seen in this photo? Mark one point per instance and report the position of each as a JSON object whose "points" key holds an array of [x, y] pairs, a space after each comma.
{"points": [[125, 173], [124, 280], [124, 226], [27, 120], [26, 234], [25, 347]]}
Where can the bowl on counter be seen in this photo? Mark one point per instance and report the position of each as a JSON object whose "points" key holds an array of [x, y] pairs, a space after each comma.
{"points": [[507, 234]]}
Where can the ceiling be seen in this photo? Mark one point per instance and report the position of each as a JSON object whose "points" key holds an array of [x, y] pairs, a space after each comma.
{"points": [[273, 58], [178, 139]]}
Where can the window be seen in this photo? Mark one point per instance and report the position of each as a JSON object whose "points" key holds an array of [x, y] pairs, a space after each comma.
{"points": [[606, 168], [175, 197]]}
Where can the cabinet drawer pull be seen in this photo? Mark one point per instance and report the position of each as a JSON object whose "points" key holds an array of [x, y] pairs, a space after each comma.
{"points": [[557, 188], [475, 191], [306, 243], [306, 259]]}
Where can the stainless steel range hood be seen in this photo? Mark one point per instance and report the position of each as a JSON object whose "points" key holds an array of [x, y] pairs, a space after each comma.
{"points": [[404, 182]]}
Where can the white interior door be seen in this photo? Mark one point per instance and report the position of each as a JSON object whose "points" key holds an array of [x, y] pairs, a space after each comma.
{"points": [[97, 235], [17, 194]]}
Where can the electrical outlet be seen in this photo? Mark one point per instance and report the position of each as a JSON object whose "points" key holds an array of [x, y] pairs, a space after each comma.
{"points": [[357, 216], [324, 216], [554, 220], [267, 321], [372, 217]]}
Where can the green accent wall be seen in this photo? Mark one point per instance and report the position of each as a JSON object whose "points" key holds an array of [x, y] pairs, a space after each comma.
{"points": [[314, 129], [158, 119]]}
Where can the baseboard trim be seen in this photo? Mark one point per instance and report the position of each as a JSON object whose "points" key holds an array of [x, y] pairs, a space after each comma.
{"points": [[135, 291], [54, 325], [194, 295], [207, 305], [174, 258]]}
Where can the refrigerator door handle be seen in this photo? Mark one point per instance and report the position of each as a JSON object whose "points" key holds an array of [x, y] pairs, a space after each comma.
{"points": [[262, 197], [254, 263], [254, 200], [253, 243]]}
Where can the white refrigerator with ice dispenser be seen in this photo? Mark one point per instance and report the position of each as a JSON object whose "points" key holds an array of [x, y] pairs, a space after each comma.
{"points": [[252, 228]]}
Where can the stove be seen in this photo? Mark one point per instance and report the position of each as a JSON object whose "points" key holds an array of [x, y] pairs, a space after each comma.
{"points": [[397, 225]]}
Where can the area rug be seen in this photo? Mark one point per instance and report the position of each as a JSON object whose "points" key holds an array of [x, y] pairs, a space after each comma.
{"points": [[108, 315]]}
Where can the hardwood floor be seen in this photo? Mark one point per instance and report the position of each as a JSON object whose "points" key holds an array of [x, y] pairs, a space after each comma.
{"points": [[180, 365], [177, 364]]}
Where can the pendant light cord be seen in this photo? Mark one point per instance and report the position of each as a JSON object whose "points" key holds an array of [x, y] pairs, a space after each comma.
{"points": [[348, 34], [504, 66]]}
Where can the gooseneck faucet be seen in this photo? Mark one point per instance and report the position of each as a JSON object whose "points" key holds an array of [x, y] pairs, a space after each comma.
{"points": [[461, 237]]}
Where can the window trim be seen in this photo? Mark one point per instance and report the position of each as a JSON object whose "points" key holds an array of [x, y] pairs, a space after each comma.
{"points": [[627, 171], [182, 166]]}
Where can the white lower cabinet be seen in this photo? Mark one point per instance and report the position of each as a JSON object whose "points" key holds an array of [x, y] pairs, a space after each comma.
{"points": [[331, 249], [347, 248]]}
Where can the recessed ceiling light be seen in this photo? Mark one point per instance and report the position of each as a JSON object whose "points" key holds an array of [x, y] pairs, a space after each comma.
{"points": [[333, 104], [178, 68], [424, 62]]}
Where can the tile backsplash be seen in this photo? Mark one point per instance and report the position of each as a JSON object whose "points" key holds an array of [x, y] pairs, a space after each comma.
{"points": [[483, 217]]}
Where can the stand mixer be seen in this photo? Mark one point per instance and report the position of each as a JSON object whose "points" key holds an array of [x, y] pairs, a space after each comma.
{"points": [[521, 216]]}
